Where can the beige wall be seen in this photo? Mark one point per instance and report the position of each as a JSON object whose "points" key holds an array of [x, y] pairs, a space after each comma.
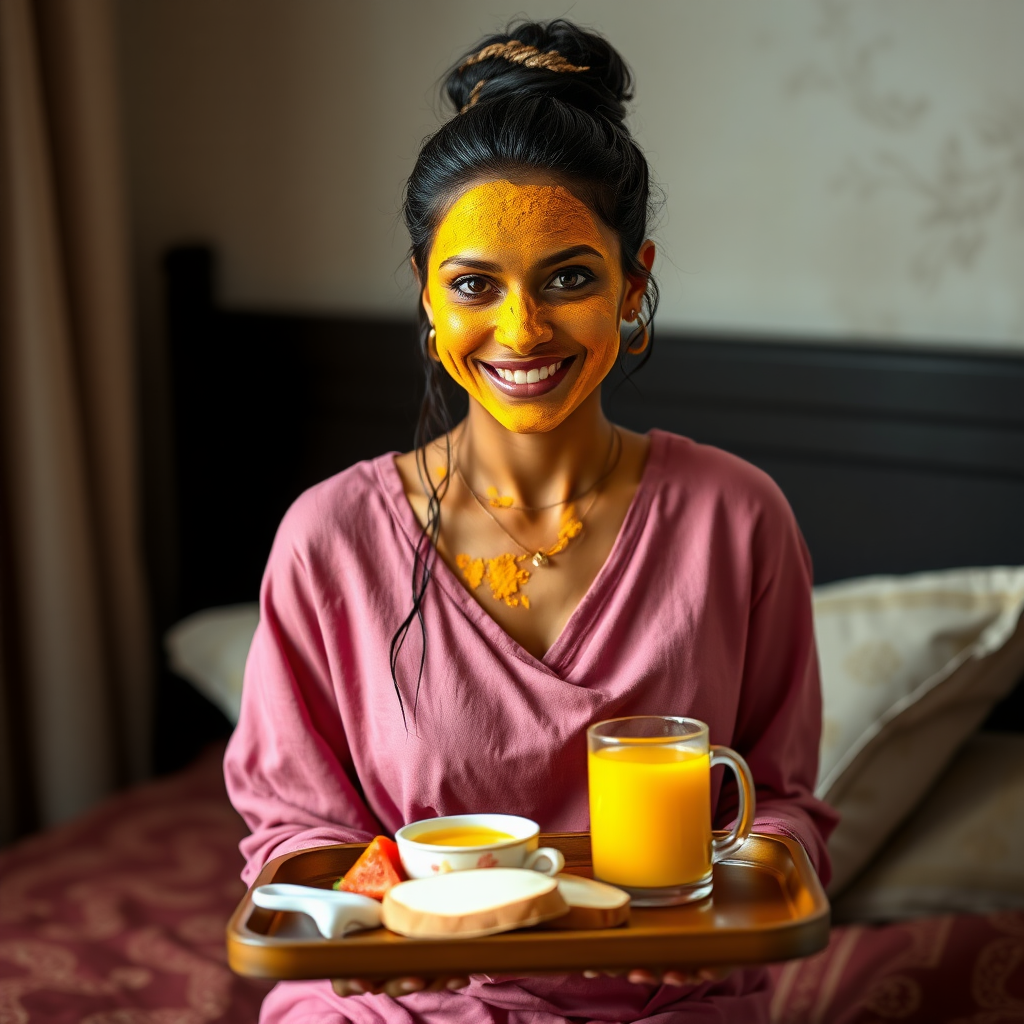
{"points": [[833, 169]]}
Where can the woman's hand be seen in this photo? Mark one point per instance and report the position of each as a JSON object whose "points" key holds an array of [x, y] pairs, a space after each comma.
{"points": [[396, 987], [645, 976]]}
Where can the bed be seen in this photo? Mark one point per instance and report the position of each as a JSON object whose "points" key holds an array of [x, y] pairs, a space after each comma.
{"points": [[905, 468]]}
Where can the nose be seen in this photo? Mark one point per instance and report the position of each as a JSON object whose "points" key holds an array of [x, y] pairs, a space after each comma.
{"points": [[521, 325]]}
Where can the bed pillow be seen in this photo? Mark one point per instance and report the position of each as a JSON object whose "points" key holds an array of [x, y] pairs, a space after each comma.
{"points": [[910, 666], [961, 851], [209, 650]]}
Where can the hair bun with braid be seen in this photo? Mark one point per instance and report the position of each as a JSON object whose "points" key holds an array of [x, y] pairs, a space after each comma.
{"points": [[557, 59]]}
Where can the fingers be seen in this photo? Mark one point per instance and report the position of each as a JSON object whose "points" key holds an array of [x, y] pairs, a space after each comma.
{"points": [[396, 987], [354, 986], [684, 976], [450, 982], [643, 976], [677, 978], [714, 973]]}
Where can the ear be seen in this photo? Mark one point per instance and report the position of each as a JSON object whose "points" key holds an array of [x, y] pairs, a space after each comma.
{"points": [[429, 310], [636, 284]]}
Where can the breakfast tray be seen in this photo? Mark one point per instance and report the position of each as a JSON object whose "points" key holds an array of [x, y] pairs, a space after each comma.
{"points": [[767, 905]]}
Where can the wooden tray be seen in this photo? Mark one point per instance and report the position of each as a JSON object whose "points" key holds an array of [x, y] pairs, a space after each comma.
{"points": [[768, 905]]}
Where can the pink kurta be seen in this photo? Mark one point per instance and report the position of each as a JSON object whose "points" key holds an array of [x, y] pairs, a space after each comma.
{"points": [[702, 609]]}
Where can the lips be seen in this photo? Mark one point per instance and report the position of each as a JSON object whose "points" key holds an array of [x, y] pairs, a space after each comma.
{"points": [[529, 377]]}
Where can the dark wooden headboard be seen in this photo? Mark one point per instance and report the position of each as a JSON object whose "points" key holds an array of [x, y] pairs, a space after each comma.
{"points": [[894, 459]]}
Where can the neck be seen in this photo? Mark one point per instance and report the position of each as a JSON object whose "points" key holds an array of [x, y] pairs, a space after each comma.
{"points": [[535, 470]]}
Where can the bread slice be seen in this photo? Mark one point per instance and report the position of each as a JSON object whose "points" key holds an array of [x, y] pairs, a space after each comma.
{"points": [[592, 904], [471, 903]]}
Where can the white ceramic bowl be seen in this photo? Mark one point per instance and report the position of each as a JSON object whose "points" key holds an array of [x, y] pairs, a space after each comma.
{"points": [[422, 860]]}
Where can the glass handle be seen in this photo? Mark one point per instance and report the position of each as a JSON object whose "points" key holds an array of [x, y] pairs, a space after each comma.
{"points": [[721, 848]]}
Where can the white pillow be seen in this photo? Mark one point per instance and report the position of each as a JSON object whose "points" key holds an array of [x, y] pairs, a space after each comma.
{"points": [[961, 851], [209, 649], [910, 667]]}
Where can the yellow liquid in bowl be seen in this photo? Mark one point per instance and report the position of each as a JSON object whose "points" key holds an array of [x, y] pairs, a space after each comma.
{"points": [[650, 815], [462, 835]]}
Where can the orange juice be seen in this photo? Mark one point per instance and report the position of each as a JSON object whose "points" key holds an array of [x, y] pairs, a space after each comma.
{"points": [[650, 814]]}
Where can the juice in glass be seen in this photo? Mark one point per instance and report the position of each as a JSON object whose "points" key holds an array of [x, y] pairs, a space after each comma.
{"points": [[650, 814], [650, 807]]}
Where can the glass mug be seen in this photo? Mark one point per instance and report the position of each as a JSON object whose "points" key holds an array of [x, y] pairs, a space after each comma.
{"points": [[650, 807]]}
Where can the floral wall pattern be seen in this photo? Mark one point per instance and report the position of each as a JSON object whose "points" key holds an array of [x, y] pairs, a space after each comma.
{"points": [[834, 169], [968, 190]]}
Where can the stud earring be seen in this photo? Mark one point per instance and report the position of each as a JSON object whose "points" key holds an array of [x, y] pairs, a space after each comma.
{"points": [[431, 336], [637, 349]]}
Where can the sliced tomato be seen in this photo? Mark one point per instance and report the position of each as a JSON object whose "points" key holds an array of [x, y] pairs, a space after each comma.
{"points": [[378, 869]]}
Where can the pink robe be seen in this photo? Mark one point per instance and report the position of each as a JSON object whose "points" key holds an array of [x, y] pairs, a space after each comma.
{"points": [[702, 609]]}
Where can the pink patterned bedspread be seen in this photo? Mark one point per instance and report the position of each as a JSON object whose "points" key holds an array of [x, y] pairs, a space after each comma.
{"points": [[962, 969], [118, 918]]}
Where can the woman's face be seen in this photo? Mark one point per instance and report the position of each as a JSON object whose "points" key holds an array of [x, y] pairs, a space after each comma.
{"points": [[525, 289]]}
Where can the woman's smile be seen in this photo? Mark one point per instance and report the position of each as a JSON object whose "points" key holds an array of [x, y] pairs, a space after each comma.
{"points": [[527, 378]]}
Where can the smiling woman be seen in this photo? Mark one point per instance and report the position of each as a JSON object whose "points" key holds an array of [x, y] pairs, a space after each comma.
{"points": [[528, 217], [625, 574]]}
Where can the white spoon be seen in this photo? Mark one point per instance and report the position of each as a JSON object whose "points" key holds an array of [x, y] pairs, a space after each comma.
{"points": [[334, 913]]}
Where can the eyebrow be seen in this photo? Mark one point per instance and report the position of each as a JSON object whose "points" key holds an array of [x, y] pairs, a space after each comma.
{"points": [[564, 254]]}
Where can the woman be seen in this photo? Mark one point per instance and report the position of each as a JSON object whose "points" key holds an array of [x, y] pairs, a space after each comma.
{"points": [[564, 570]]}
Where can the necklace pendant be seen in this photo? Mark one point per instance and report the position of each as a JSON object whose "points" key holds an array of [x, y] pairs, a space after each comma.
{"points": [[539, 559]]}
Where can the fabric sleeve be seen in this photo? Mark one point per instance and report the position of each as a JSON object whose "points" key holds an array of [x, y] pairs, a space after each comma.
{"points": [[288, 768], [778, 726]]}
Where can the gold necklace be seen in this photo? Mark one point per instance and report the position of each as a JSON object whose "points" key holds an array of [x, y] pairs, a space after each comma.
{"points": [[504, 574], [496, 500]]}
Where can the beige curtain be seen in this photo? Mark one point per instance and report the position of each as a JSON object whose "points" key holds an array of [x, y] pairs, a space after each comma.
{"points": [[74, 652]]}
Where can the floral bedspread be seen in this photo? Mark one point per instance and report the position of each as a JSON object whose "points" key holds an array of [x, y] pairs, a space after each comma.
{"points": [[118, 918], [957, 969]]}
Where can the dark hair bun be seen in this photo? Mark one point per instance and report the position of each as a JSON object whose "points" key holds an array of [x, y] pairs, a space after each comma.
{"points": [[603, 85]]}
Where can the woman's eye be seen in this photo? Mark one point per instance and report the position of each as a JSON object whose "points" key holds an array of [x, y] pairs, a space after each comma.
{"points": [[568, 280], [472, 287]]}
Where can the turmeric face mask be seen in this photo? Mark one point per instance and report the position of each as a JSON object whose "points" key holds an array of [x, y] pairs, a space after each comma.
{"points": [[525, 290]]}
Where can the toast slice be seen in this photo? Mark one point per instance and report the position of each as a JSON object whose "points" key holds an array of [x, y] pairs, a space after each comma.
{"points": [[592, 904], [472, 903]]}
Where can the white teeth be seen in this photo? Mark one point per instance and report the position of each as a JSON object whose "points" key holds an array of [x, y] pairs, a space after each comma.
{"points": [[529, 376]]}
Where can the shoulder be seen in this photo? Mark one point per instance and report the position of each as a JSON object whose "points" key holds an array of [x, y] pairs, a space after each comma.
{"points": [[348, 515], [686, 470], [727, 504], [339, 497]]}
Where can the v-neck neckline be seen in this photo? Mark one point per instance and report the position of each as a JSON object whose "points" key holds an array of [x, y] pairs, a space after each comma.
{"points": [[558, 658]]}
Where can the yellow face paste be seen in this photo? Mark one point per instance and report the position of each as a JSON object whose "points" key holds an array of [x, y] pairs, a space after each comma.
{"points": [[501, 286]]}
